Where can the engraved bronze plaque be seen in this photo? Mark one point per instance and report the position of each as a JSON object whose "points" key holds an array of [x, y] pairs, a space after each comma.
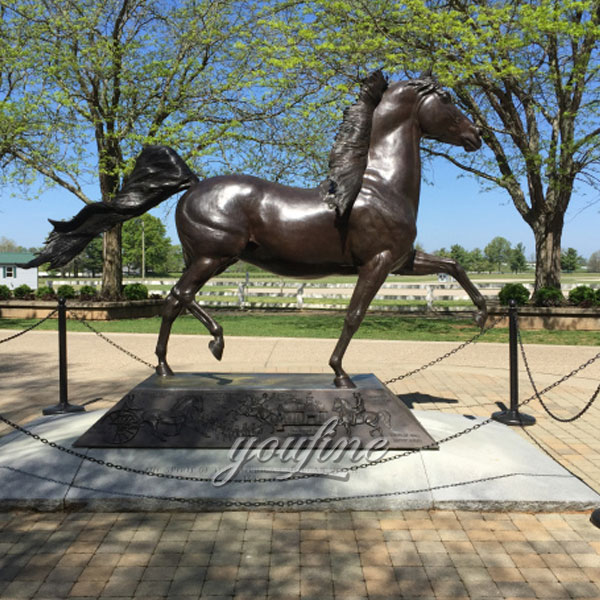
{"points": [[212, 410]]}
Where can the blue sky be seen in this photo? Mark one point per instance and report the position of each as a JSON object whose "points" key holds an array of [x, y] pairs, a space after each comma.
{"points": [[453, 209]]}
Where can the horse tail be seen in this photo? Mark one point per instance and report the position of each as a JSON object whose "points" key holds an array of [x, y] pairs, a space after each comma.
{"points": [[158, 173]]}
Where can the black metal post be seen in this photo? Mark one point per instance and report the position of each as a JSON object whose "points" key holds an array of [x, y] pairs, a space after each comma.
{"points": [[512, 416], [63, 405]]}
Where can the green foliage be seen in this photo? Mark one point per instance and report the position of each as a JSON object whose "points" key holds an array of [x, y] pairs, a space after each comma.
{"points": [[5, 292], [45, 292], [88, 292], [517, 259], [497, 252], [147, 233], [90, 260], [513, 291], [23, 292], [84, 85], [518, 69], [593, 263], [135, 291], [175, 263], [461, 256], [548, 296], [584, 296], [66, 291], [570, 260]]}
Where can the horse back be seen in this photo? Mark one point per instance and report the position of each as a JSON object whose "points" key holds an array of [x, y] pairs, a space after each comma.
{"points": [[281, 228]]}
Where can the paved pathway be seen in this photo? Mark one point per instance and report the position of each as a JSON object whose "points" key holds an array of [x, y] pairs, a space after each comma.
{"points": [[414, 554]]}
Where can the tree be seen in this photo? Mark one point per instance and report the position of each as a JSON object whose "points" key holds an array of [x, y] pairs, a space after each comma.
{"points": [[517, 260], [526, 72], [175, 262], [8, 245], [461, 256], [593, 263], [85, 83], [478, 261], [90, 259], [570, 260], [146, 233], [497, 252]]}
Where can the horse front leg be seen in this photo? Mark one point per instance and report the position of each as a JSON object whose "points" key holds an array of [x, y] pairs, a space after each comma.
{"points": [[429, 264], [370, 278]]}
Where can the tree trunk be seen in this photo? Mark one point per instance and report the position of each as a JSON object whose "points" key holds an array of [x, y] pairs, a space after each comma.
{"points": [[112, 272], [547, 252]]}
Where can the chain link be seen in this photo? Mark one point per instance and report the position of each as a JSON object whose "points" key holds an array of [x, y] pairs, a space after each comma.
{"points": [[219, 504], [16, 335], [352, 468], [537, 394], [135, 471], [439, 359], [84, 322]]}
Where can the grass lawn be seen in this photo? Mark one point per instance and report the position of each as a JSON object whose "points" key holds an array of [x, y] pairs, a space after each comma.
{"points": [[382, 327]]}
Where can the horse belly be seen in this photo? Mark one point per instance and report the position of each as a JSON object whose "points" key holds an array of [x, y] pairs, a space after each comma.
{"points": [[306, 244]]}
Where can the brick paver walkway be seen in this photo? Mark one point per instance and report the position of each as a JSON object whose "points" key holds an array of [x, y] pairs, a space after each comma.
{"points": [[416, 555], [247, 555]]}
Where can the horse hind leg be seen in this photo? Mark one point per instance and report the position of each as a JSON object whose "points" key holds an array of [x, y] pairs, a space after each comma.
{"points": [[182, 296]]}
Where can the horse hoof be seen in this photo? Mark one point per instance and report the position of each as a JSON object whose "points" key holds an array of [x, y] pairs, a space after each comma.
{"points": [[343, 381], [216, 347], [164, 370], [481, 318]]}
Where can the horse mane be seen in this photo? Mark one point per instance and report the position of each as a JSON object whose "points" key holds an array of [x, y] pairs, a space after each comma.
{"points": [[427, 85], [348, 156]]}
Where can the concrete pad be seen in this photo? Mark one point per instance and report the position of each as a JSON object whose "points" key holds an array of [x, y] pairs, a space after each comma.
{"points": [[513, 474], [516, 474], [34, 475]]}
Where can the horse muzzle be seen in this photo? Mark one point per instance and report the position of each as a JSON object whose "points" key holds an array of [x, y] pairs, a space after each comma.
{"points": [[471, 140]]}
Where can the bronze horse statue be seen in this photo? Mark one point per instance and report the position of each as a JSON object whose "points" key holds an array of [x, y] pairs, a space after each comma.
{"points": [[361, 220]]}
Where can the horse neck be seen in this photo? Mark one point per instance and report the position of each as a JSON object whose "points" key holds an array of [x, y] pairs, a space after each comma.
{"points": [[393, 172]]}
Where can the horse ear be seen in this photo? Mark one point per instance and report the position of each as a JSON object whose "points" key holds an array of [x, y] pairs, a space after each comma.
{"points": [[428, 74]]}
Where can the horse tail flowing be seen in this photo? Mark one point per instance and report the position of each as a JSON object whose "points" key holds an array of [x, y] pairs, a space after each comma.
{"points": [[159, 172]]}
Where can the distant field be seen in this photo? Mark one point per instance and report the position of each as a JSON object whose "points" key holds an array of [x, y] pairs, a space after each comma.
{"points": [[323, 325]]}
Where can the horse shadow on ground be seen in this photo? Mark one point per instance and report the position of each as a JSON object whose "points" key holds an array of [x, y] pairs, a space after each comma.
{"points": [[416, 400]]}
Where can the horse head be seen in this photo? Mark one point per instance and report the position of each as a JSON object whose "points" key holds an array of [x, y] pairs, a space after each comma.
{"points": [[440, 119]]}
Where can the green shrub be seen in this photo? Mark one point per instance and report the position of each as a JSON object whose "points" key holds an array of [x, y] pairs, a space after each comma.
{"points": [[513, 291], [548, 296], [45, 292], [583, 295], [23, 292], [88, 292], [66, 291], [5, 292], [135, 291]]}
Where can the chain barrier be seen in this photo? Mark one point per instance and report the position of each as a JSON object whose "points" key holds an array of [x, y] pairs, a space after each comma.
{"points": [[84, 322], [31, 327], [219, 504], [352, 468], [439, 359], [134, 471], [537, 394]]}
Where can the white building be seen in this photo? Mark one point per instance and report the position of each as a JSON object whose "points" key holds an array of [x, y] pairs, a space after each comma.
{"points": [[12, 275]]}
